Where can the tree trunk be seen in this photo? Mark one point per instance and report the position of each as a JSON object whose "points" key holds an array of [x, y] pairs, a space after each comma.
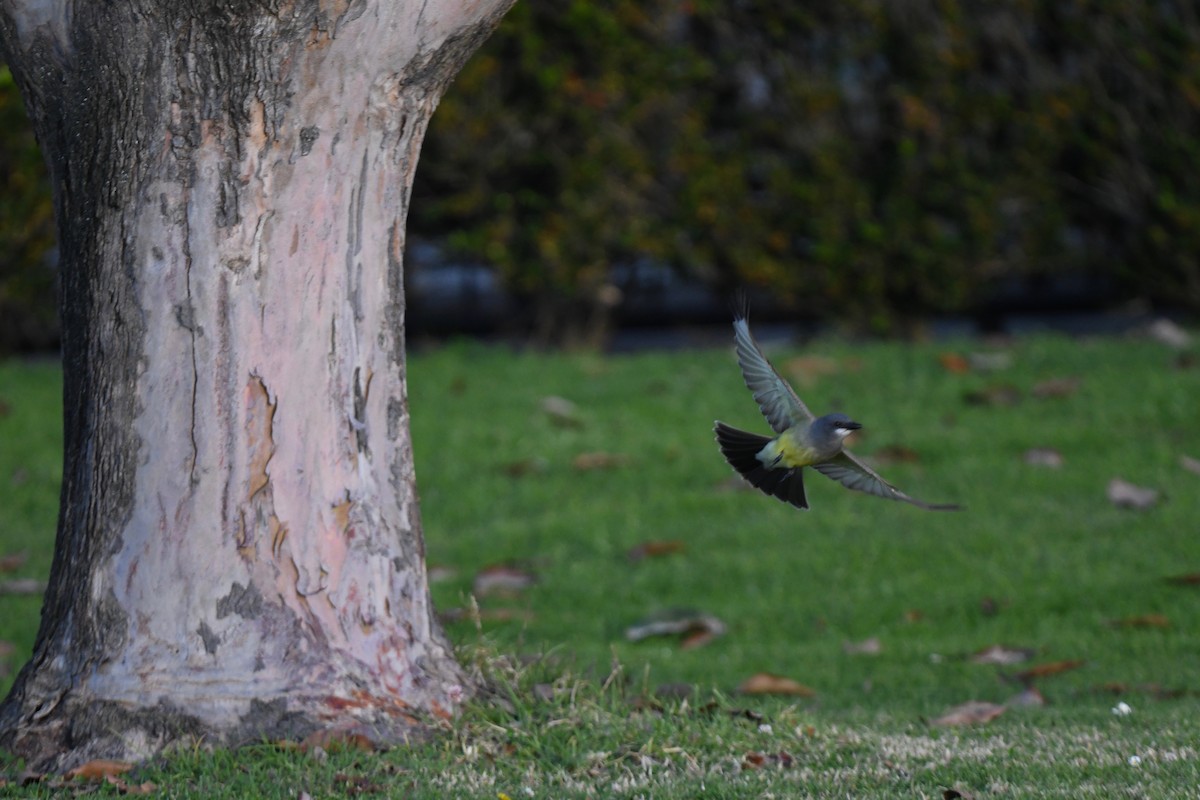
{"points": [[239, 552]]}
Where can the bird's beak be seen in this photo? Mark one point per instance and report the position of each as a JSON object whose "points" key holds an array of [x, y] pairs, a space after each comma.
{"points": [[854, 426]]}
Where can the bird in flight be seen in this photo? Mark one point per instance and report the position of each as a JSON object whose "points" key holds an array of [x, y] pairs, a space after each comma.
{"points": [[776, 465]]}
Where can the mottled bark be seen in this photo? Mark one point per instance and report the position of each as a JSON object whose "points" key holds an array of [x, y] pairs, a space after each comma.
{"points": [[239, 550]]}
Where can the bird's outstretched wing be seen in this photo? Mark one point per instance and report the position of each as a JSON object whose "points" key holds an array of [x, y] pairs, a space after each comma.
{"points": [[853, 474], [778, 402]]}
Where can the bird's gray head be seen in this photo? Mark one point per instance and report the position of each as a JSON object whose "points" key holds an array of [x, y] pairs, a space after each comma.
{"points": [[831, 429]]}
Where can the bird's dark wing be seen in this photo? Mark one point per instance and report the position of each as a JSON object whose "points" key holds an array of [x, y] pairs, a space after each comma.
{"points": [[778, 402], [853, 474]]}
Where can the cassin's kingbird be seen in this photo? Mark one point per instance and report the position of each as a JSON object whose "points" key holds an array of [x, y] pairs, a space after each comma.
{"points": [[776, 465]]}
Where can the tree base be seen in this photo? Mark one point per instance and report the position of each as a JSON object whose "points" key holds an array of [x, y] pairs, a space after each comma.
{"points": [[78, 730]]}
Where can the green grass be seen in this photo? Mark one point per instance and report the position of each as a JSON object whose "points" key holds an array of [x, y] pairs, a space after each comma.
{"points": [[1040, 559]]}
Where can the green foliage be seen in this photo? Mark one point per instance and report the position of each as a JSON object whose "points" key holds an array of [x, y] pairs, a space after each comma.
{"points": [[27, 311], [872, 159]]}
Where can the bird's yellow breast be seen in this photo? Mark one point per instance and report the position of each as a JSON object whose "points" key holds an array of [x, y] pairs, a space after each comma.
{"points": [[787, 451]]}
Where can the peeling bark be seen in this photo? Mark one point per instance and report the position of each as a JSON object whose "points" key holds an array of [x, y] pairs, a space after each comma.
{"points": [[239, 550]]}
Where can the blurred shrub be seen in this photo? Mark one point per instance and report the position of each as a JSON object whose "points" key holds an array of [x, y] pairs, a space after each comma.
{"points": [[27, 299], [867, 159]]}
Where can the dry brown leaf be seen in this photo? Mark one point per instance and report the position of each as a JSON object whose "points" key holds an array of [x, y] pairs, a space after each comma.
{"points": [[767, 683], [13, 561], [1048, 669], [867, 647], [1123, 494], [756, 760], [1141, 621], [974, 712], [1190, 464], [1000, 394], [954, 362], [501, 579], [683, 622], [913, 615], [667, 547], [1191, 579], [1055, 388], [1002, 655], [99, 769], [585, 462], [696, 638], [1043, 457]]}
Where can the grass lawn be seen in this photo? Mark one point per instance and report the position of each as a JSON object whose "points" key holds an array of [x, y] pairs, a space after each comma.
{"points": [[877, 608]]}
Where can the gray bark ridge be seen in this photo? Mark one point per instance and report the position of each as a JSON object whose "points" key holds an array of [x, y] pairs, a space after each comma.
{"points": [[239, 551]]}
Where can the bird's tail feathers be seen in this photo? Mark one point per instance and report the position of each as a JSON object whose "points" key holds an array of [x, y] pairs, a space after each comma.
{"points": [[741, 449]]}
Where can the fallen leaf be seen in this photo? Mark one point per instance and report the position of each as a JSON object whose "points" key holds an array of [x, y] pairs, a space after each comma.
{"points": [[562, 412], [913, 615], [1000, 394], [1048, 669], [1190, 464], [1043, 457], [1002, 655], [1141, 621], [1170, 334], [13, 561], [1191, 579], [99, 769], [1123, 494], [1029, 697], [867, 647], [22, 586], [585, 462], [697, 638], [682, 622], [768, 683], [657, 549], [954, 362], [974, 712], [501, 579], [756, 760], [1056, 388], [1185, 361]]}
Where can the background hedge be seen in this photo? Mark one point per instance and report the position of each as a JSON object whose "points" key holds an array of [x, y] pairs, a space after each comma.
{"points": [[871, 160], [868, 160]]}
